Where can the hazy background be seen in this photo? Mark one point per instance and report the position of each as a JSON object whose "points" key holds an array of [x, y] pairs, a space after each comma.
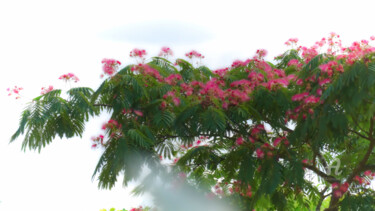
{"points": [[41, 40]]}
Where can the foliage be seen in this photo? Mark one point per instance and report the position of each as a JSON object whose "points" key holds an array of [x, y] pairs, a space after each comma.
{"points": [[252, 133]]}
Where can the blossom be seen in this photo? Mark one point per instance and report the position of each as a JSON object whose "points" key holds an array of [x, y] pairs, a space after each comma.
{"points": [[293, 62], [367, 173], [110, 66], [239, 141], [312, 99], [239, 63], [176, 101], [45, 90], [69, 76], [335, 185], [221, 72], [299, 97], [172, 79], [16, 90], [137, 53], [260, 153], [261, 53], [138, 113], [165, 51], [276, 142], [324, 81], [291, 41], [193, 54]]}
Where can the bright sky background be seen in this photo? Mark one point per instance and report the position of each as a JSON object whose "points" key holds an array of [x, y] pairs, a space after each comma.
{"points": [[41, 40]]}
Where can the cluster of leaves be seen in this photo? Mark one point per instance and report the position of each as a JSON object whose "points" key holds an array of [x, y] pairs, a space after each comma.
{"points": [[314, 109]]}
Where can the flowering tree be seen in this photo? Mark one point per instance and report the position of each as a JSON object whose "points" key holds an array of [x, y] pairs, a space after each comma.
{"points": [[284, 135]]}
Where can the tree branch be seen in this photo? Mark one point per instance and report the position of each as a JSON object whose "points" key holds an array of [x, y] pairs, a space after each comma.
{"points": [[334, 200], [102, 105], [326, 177], [359, 134]]}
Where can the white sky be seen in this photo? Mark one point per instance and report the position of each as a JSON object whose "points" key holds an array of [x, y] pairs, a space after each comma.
{"points": [[41, 40]]}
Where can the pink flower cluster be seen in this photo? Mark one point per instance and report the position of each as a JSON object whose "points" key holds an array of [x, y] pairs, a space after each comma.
{"points": [[221, 72], [138, 53], [194, 54], [16, 90], [291, 41], [147, 70], [136, 112], [366, 179], [97, 141], [45, 90], [165, 51], [237, 188], [330, 67], [278, 140], [137, 209], [339, 189], [69, 76], [171, 95], [113, 126], [239, 63], [172, 79], [260, 54], [110, 66]]}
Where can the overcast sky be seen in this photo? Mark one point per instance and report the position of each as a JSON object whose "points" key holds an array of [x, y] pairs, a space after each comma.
{"points": [[41, 40]]}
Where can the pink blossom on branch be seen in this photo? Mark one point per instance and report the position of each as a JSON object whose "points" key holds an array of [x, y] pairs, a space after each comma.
{"points": [[69, 76], [45, 90], [166, 51], [299, 97], [138, 53], [110, 66], [194, 54]]}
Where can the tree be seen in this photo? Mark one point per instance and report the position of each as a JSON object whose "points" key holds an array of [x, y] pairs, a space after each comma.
{"points": [[253, 131]]}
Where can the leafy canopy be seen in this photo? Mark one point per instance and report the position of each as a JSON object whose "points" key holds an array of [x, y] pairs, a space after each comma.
{"points": [[252, 132]]}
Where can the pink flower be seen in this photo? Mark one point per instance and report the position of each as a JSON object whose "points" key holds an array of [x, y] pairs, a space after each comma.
{"points": [[110, 66], [337, 194], [193, 54], [221, 72], [45, 90], [137, 112], [176, 101], [239, 63], [372, 38], [368, 173], [137, 53], [299, 97], [69, 76], [260, 153], [299, 82], [312, 99], [16, 90], [166, 51], [291, 41], [344, 187], [324, 81], [335, 185], [293, 62], [239, 141], [172, 79], [276, 142], [261, 53]]}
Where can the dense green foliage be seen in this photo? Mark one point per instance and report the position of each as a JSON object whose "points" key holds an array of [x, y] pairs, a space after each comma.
{"points": [[254, 130]]}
